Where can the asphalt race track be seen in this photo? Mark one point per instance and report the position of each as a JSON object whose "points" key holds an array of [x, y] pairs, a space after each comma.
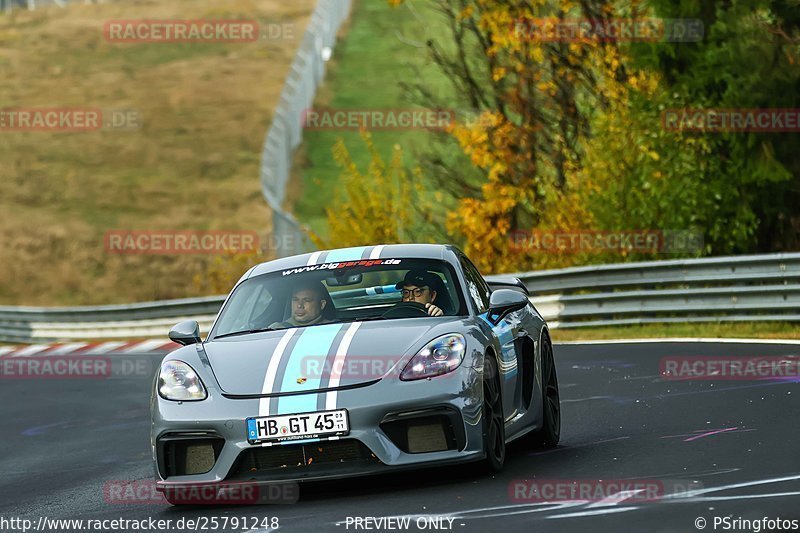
{"points": [[717, 448]]}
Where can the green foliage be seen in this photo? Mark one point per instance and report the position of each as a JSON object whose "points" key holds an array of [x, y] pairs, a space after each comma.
{"points": [[741, 188], [569, 136], [603, 160]]}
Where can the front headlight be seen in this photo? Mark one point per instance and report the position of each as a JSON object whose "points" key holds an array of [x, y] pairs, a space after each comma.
{"points": [[179, 382], [440, 356]]}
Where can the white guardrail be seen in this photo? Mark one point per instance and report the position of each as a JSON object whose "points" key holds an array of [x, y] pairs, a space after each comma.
{"points": [[720, 289], [717, 289], [129, 321]]}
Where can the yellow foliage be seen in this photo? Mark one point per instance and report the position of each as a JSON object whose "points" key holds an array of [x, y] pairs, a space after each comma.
{"points": [[225, 270], [374, 207], [540, 174], [504, 145]]}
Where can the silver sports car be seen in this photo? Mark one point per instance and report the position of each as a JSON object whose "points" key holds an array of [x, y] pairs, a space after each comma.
{"points": [[354, 361]]}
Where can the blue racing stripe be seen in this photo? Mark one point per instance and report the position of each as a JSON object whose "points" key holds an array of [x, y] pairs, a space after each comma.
{"points": [[314, 342], [345, 254], [505, 335], [502, 330]]}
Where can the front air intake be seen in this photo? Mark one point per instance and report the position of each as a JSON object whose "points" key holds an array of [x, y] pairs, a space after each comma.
{"points": [[425, 431], [321, 456], [188, 454]]}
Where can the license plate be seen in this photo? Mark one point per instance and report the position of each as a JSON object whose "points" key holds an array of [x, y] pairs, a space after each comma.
{"points": [[282, 428]]}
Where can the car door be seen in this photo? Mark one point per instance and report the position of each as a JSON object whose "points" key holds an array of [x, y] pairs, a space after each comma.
{"points": [[505, 331]]}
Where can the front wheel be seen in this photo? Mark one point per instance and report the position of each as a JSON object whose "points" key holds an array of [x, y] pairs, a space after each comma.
{"points": [[494, 430]]}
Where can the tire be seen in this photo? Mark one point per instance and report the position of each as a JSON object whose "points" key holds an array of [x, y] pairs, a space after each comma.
{"points": [[494, 431], [550, 432], [173, 498]]}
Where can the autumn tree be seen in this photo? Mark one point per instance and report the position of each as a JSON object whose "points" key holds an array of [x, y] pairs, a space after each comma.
{"points": [[530, 102], [374, 206], [569, 134]]}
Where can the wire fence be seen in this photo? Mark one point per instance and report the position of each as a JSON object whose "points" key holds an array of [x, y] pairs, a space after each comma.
{"points": [[8, 5], [286, 132]]}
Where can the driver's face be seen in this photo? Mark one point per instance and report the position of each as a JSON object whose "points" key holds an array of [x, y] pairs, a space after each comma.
{"points": [[306, 306], [426, 295]]}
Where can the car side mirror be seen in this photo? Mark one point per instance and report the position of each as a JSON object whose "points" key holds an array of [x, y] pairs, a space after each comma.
{"points": [[186, 332], [505, 301]]}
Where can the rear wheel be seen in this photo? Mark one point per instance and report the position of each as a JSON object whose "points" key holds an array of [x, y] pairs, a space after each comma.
{"points": [[550, 432], [494, 432]]}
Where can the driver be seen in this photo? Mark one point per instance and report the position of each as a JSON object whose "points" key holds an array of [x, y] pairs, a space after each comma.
{"points": [[308, 303], [417, 286]]}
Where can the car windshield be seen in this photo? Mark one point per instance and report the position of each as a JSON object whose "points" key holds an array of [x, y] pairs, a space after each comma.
{"points": [[341, 292]]}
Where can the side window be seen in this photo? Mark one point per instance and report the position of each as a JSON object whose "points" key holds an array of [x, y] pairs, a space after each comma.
{"points": [[476, 286], [246, 304]]}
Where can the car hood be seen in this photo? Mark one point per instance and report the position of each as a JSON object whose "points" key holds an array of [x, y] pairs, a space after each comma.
{"points": [[322, 357]]}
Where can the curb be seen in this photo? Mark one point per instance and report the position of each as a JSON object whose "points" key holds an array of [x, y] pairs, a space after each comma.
{"points": [[156, 347]]}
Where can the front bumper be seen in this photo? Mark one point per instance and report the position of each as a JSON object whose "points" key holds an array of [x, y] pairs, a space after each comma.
{"points": [[377, 441]]}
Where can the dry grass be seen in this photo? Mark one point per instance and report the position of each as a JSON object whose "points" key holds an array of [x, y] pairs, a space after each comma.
{"points": [[193, 164]]}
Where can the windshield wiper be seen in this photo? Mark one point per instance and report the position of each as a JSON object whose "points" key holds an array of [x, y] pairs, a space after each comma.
{"points": [[243, 332], [361, 319], [261, 330]]}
